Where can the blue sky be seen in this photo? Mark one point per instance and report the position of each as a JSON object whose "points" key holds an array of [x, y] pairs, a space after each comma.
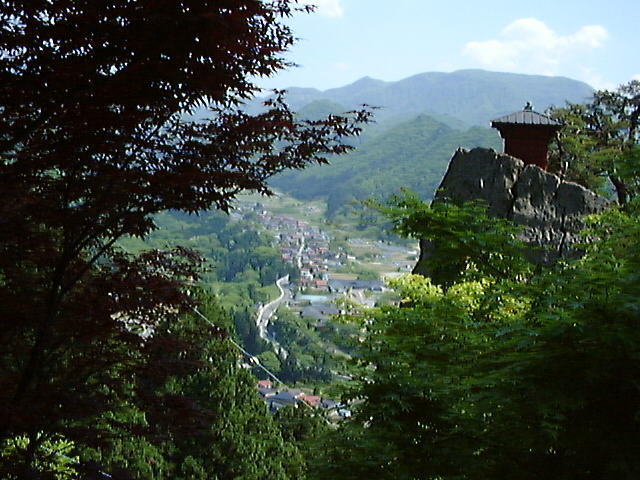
{"points": [[344, 40]]}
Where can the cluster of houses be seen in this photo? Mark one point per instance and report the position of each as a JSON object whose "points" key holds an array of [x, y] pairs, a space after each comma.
{"points": [[276, 399], [304, 245], [308, 247]]}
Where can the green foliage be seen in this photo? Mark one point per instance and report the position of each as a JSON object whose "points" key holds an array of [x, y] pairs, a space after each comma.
{"points": [[600, 140], [96, 143], [241, 441], [307, 358], [409, 367], [568, 152], [136, 454], [362, 272], [387, 298], [501, 376], [301, 425], [247, 331], [235, 250], [232, 437], [53, 456], [365, 274], [270, 361], [319, 109], [464, 242], [307, 429], [243, 265]]}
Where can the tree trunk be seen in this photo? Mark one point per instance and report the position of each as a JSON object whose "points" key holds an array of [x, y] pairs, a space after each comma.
{"points": [[621, 189]]}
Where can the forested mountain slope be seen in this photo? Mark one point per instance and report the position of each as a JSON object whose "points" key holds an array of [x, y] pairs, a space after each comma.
{"points": [[413, 154], [421, 121]]}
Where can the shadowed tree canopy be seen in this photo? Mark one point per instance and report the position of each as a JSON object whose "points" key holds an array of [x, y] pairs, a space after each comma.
{"points": [[93, 142]]}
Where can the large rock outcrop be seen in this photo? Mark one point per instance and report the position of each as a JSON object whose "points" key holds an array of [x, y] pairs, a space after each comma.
{"points": [[549, 209]]}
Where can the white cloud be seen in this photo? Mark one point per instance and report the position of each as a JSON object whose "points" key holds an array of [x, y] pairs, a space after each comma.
{"points": [[326, 8], [636, 77], [595, 80], [528, 45]]}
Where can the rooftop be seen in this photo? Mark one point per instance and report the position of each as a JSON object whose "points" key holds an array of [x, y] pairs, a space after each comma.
{"points": [[527, 116]]}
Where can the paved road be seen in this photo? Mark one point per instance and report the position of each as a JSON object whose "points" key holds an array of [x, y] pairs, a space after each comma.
{"points": [[299, 254], [359, 296], [265, 312]]}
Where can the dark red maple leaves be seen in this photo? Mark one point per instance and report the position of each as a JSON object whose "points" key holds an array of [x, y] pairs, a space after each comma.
{"points": [[92, 144]]}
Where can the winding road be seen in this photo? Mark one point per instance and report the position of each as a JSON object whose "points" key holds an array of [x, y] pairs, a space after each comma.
{"points": [[266, 311]]}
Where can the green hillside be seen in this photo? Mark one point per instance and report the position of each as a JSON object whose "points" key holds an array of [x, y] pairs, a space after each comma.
{"points": [[421, 121], [319, 109], [413, 154]]}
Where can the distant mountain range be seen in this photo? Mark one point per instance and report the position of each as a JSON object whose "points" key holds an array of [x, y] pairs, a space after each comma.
{"points": [[471, 96], [423, 119]]}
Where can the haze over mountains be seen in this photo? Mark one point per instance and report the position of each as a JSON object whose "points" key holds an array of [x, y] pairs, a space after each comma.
{"points": [[421, 121], [472, 96]]}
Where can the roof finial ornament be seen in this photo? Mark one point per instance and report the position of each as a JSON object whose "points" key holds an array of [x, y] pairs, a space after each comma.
{"points": [[528, 107]]}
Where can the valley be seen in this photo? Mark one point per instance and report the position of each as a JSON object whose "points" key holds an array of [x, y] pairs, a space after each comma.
{"points": [[268, 239], [335, 272]]}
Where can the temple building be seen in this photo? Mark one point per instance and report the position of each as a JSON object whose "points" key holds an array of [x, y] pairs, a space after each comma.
{"points": [[527, 135]]}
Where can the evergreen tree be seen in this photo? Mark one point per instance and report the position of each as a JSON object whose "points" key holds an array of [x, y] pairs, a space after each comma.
{"points": [[234, 438]]}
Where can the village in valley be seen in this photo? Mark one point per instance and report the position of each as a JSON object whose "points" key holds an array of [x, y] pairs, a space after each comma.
{"points": [[330, 275]]}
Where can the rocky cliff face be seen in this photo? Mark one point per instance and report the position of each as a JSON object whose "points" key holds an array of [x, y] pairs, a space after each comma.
{"points": [[549, 209]]}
